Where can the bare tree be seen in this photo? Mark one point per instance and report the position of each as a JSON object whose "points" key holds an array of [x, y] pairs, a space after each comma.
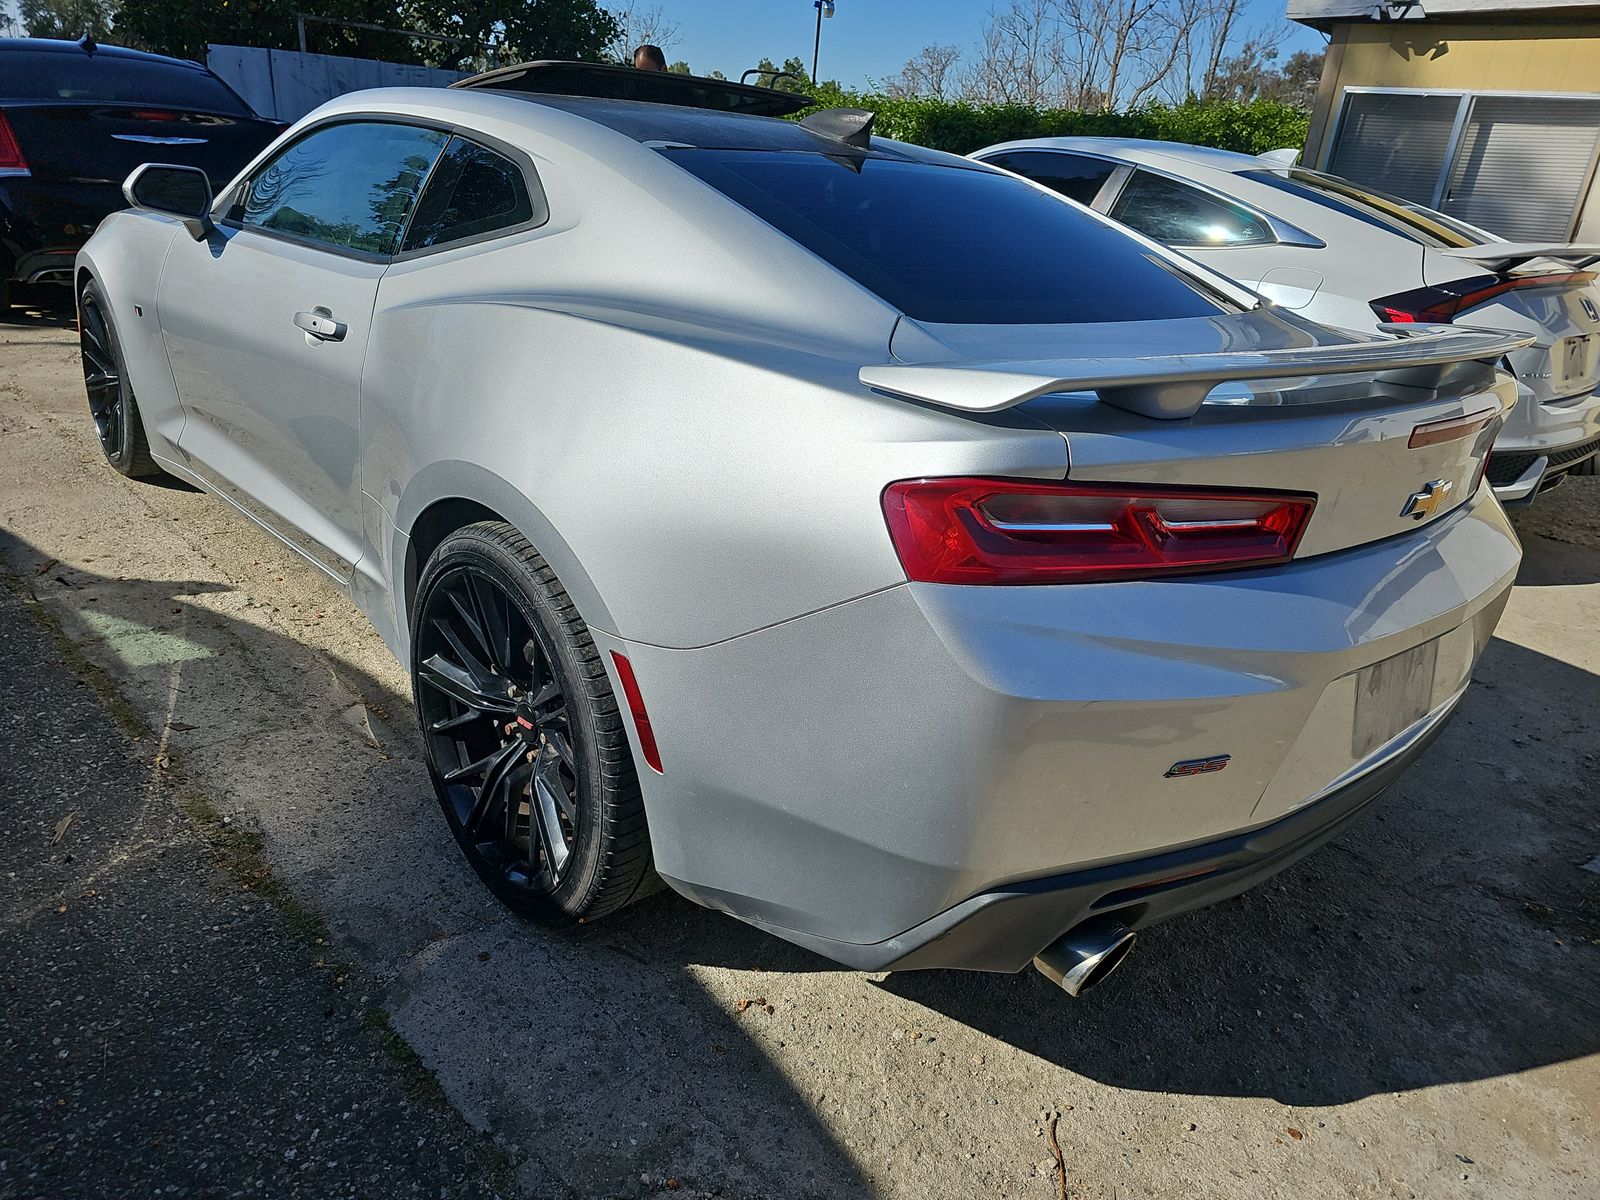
{"points": [[928, 74], [638, 25], [1017, 60], [1116, 54]]}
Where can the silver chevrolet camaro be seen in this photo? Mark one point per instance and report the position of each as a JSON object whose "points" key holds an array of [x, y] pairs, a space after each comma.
{"points": [[853, 536], [1352, 257]]}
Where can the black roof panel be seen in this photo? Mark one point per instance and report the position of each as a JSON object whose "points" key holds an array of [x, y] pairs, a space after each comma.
{"points": [[606, 81]]}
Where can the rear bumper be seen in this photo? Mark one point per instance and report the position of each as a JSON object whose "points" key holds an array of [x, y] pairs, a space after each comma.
{"points": [[1541, 442], [868, 779], [1003, 929], [44, 223]]}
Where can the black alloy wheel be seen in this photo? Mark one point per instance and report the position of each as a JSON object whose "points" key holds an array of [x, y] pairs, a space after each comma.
{"points": [[523, 736], [111, 403]]}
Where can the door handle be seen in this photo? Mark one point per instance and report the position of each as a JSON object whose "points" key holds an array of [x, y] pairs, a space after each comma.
{"points": [[319, 323]]}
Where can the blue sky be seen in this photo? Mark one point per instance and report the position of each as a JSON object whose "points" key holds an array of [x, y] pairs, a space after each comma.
{"points": [[866, 39]]}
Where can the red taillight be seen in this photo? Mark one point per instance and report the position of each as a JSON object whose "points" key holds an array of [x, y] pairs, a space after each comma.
{"points": [[153, 114], [1441, 303], [10, 153], [641, 719], [1017, 531]]}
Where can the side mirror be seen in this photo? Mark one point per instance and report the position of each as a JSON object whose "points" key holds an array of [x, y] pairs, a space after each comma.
{"points": [[182, 192]]}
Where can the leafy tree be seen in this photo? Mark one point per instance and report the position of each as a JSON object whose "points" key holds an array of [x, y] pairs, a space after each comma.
{"points": [[1298, 81], [773, 76], [66, 18], [183, 27], [518, 29]]}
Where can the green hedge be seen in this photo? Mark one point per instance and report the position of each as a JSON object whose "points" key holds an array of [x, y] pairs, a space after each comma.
{"points": [[961, 128]]}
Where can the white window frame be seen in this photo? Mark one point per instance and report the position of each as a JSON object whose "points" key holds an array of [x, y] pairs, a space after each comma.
{"points": [[1465, 99]]}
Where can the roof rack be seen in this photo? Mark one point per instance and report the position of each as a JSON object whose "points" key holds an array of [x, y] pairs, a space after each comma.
{"points": [[604, 81]]}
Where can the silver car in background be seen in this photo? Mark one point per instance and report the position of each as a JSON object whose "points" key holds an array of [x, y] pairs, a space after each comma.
{"points": [[1351, 257], [852, 536]]}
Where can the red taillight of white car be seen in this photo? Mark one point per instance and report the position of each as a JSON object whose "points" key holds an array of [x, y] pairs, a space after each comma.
{"points": [[1430, 304], [1018, 531]]}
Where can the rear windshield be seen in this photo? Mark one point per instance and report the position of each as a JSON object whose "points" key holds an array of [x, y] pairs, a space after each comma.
{"points": [[1415, 221], [953, 245], [56, 75]]}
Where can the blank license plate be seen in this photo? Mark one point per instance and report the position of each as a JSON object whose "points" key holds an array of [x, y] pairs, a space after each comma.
{"points": [[1575, 359], [1392, 695]]}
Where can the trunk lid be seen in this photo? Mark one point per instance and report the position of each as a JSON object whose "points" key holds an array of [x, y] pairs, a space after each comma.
{"points": [[1350, 437], [1506, 286], [100, 143]]}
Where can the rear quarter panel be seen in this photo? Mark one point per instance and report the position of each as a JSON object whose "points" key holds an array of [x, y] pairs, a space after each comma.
{"points": [[686, 487]]}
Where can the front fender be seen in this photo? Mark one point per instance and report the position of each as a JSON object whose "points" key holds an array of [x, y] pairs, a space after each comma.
{"points": [[125, 256]]}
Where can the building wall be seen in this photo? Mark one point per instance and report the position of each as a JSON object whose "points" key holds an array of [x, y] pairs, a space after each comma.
{"points": [[1511, 57]]}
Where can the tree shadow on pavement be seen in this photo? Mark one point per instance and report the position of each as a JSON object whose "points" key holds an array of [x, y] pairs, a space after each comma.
{"points": [[596, 1053], [1447, 936], [1420, 948]]}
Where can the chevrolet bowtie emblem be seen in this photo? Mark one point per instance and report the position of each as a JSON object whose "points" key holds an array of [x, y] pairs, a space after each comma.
{"points": [[1428, 501]]}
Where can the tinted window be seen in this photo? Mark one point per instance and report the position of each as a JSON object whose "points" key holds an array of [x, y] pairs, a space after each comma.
{"points": [[1170, 212], [347, 186], [1072, 175], [1375, 208], [54, 75], [472, 191], [951, 244]]}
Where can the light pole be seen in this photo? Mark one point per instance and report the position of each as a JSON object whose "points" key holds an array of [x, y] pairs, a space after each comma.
{"points": [[824, 9]]}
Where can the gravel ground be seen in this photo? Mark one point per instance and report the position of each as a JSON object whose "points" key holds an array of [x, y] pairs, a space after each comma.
{"points": [[1410, 1012], [164, 1032]]}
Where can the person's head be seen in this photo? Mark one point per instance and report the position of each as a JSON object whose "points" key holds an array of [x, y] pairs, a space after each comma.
{"points": [[649, 58]]}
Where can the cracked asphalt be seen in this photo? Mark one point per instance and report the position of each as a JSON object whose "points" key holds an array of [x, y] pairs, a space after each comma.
{"points": [[1411, 1012]]}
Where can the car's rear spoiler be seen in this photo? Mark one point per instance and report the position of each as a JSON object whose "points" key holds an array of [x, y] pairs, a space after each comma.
{"points": [[1501, 257], [1173, 386]]}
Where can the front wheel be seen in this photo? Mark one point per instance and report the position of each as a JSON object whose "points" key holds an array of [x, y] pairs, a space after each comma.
{"points": [[524, 739], [111, 403]]}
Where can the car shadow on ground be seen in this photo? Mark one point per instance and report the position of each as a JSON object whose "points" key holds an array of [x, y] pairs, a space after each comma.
{"points": [[1447, 936], [40, 307], [1550, 563], [1438, 940]]}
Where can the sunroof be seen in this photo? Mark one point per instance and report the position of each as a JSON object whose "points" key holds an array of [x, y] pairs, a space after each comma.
{"points": [[607, 82]]}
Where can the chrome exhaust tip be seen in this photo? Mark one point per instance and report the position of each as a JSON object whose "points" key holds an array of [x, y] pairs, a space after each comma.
{"points": [[1082, 957]]}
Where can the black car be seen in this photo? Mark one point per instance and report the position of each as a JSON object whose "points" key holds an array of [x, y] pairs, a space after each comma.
{"points": [[76, 118]]}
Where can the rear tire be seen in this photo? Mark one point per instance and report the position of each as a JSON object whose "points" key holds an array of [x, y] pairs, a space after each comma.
{"points": [[524, 739], [118, 426]]}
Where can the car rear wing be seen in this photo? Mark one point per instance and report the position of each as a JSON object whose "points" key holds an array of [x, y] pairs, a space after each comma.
{"points": [[1173, 386], [1503, 257]]}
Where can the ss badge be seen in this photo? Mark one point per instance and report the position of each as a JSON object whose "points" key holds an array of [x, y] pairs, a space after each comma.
{"points": [[1197, 766]]}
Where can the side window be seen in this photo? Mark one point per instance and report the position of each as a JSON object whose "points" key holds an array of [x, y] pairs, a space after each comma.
{"points": [[1171, 212], [473, 191], [1075, 177], [349, 187]]}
